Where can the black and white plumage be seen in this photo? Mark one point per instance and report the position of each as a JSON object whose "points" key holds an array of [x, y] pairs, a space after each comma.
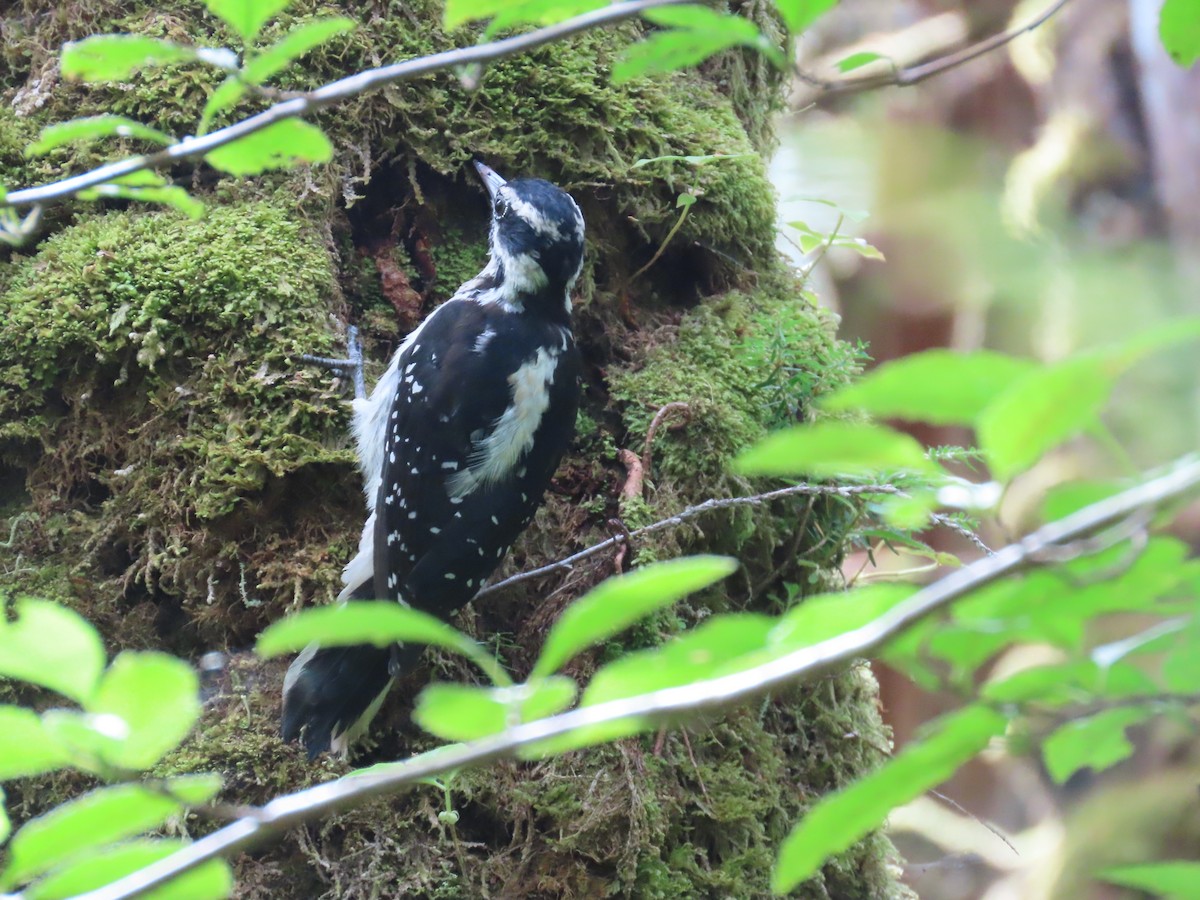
{"points": [[457, 444]]}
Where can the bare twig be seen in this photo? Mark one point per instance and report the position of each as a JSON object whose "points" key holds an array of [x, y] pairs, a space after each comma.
{"points": [[634, 474], [650, 710], [685, 412], [327, 95], [916, 74], [798, 490]]}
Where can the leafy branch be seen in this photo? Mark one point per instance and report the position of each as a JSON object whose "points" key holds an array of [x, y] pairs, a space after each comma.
{"points": [[327, 95], [621, 717]]}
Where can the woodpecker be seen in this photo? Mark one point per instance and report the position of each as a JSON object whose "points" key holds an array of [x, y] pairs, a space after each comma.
{"points": [[457, 444]]}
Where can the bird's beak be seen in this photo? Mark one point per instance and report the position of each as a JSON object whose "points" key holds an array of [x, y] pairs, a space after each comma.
{"points": [[491, 180]]}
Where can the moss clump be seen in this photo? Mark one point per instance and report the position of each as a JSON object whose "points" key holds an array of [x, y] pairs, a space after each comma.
{"points": [[149, 381]]}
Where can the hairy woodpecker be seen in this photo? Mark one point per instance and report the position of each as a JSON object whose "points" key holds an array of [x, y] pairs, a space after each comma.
{"points": [[457, 444]]}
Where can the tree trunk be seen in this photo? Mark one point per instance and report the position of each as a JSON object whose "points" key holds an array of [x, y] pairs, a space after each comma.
{"points": [[183, 479]]}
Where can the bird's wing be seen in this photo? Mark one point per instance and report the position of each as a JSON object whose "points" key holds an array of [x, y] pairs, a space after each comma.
{"points": [[475, 431]]}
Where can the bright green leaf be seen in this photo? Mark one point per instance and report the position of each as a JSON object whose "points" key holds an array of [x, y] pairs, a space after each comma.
{"points": [[87, 740], [52, 646], [1179, 28], [210, 881], [1041, 410], [279, 146], [547, 696], [799, 14], [1064, 499], [840, 819], [168, 195], [694, 34], [114, 57], [615, 604], [585, 736], [378, 622], [193, 790], [246, 17], [292, 46], [157, 697], [1173, 878], [823, 616], [858, 60], [461, 712], [25, 746], [695, 655], [834, 448], [1097, 742], [103, 816], [507, 13], [227, 94], [91, 127], [938, 386]]}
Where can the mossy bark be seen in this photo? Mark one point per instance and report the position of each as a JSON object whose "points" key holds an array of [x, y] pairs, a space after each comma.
{"points": [[173, 471]]}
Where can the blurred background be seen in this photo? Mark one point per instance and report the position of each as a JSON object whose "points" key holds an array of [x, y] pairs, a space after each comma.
{"points": [[1038, 200]]}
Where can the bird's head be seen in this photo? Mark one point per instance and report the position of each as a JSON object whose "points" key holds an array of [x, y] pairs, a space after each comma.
{"points": [[536, 240]]}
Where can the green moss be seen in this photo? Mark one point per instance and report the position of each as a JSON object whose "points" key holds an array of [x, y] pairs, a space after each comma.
{"points": [[149, 372]]}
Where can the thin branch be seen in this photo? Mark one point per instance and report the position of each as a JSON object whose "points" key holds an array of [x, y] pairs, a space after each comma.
{"points": [[798, 490], [916, 74], [647, 711], [329, 94]]}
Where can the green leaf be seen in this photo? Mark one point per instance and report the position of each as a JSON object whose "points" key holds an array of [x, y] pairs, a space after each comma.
{"points": [[147, 187], [1097, 742], [1064, 499], [461, 712], [245, 17], [115, 57], [87, 129], [840, 819], [1043, 409], [157, 697], [695, 33], [547, 696], [507, 13], [25, 746], [88, 740], [52, 646], [586, 736], [834, 448], [858, 60], [192, 790], [209, 881], [378, 622], [799, 14], [615, 604], [292, 46], [693, 656], [103, 816], [227, 94], [823, 616], [1174, 878], [1179, 28], [938, 386], [5, 824], [282, 145], [1050, 405]]}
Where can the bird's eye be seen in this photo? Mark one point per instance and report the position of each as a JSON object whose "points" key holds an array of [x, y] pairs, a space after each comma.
{"points": [[501, 208]]}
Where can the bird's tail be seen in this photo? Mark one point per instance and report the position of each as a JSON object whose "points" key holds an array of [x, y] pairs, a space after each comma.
{"points": [[330, 694]]}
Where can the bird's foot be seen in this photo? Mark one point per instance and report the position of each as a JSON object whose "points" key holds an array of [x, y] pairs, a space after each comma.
{"points": [[352, 364]]}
